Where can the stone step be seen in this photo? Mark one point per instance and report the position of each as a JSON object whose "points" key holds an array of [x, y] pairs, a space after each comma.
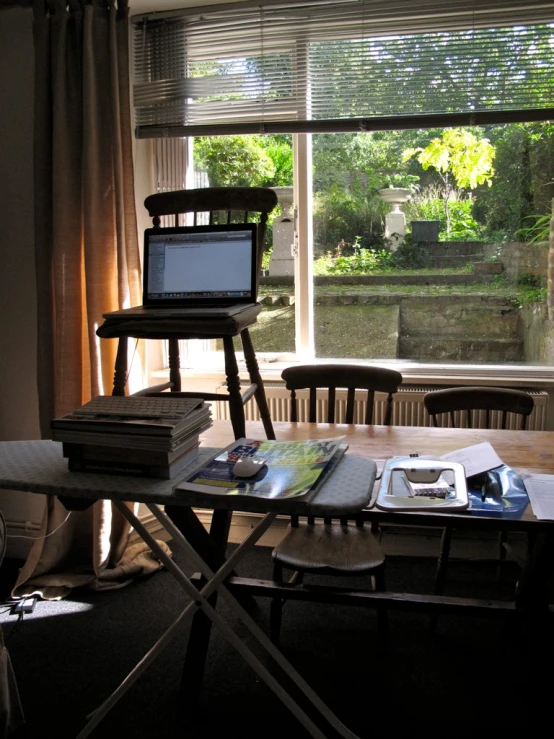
{"points": [[450, 261], [430, 278], [421, 278], [473, 350]]}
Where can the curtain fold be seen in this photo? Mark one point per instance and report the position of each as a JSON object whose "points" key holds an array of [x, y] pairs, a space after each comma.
{"points": [[87, 258]]}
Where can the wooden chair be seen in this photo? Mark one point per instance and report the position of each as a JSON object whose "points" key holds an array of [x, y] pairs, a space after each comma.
{"points": [[467, 401], [333, 547], [219, 205], [459, 406]]}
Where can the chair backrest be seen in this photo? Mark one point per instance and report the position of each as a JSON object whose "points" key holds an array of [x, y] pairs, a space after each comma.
{"points": [[352, 377], [221, 204], [470, 400]]}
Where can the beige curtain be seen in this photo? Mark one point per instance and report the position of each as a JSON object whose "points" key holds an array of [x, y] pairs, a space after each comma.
{"points": [[87, 262]]}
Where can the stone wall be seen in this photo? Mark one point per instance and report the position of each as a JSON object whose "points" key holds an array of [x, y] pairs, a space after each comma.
{"points": [[521, 259], [538, 333], [480, 329]]}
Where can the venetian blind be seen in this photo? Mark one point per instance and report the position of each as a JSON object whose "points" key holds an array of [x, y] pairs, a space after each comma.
{"points": [[342, 65]]}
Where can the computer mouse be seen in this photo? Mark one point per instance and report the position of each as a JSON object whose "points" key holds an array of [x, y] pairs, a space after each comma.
{"points": [[248, 466]]}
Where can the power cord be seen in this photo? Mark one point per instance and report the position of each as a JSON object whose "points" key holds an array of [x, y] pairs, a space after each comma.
{"points": [[20, 536], [16, 627]]}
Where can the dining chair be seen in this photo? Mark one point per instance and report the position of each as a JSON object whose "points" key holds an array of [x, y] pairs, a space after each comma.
{"points": [[328, 546], [209, 205], [466, 407]]}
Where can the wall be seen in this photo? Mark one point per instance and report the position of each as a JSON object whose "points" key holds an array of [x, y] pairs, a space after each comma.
{"points": [[18, 397], [525, 259]]}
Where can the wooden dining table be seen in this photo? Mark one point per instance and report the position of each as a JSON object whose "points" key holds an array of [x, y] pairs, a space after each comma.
{"points": [[525, 451]]}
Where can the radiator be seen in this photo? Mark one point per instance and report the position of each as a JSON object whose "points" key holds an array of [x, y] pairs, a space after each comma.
{"points": [[408, 408]]}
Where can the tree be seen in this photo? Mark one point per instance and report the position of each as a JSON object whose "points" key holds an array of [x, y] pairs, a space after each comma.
{"points": [[255, 161], [461, 159], [233, 160]]}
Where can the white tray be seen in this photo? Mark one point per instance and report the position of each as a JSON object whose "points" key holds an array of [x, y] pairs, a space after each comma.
{"points": [[396, 493]]}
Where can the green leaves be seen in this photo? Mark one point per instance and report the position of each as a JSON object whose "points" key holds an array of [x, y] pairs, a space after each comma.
{"points": [[460, 153]]}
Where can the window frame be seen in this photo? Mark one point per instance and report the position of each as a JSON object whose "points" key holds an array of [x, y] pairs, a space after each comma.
{"points": [[304, 330]]}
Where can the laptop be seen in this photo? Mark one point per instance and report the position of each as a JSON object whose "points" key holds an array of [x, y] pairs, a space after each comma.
{"points": [[197, 271]]}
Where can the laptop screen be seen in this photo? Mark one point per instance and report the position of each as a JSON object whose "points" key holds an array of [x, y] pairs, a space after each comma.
{"points": [[200, 265]]}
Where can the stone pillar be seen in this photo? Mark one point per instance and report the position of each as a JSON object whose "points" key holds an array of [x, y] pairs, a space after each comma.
{"points": [[395, 221], [395, 227], [281, 263]]}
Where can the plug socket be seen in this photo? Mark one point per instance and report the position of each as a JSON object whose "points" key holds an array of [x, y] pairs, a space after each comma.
{"points": [[25, 605]]}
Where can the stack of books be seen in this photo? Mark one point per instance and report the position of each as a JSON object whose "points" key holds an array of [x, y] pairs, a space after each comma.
{"points": [[133, 435]]}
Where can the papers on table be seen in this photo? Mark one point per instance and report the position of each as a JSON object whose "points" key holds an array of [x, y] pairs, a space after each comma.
{"points": [[482, 457], [540, 489], [476, 458]]}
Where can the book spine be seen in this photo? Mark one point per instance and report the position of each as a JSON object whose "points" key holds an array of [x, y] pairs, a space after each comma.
{"points": [[129, 441], [112, 467], [119, 441], [125, 454], [114, 427], [164, 427]]}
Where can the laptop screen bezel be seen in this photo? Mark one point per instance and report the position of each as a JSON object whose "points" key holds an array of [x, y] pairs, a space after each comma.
{"points": [[201, 301]]}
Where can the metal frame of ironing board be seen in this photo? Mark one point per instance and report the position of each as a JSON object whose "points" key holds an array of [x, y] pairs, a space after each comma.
{"points": [[47, 474]]}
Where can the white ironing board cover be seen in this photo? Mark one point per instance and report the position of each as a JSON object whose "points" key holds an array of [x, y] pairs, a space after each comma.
{"points": [[39, 467]]}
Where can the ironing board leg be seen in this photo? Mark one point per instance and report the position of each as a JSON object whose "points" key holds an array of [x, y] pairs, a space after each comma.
{"points": [[200, 601]]}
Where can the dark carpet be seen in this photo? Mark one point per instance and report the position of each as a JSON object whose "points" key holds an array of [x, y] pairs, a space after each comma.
{"points": [[68, 656]]}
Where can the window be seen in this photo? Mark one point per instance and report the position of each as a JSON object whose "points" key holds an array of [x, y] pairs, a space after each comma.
{"points": [[355, 86]]}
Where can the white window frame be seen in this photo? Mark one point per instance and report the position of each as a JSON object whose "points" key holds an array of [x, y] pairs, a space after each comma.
{"points": [[212, 374]]}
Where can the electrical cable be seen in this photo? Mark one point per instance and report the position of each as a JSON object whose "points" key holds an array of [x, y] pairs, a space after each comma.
{"points": [[20, 536], [15, 628]]}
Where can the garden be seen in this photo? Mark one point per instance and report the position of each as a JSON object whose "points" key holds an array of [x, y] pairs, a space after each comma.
{"points": [[488, 190]]}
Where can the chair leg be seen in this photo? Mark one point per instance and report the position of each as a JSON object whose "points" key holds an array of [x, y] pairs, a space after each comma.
{"points": [[442, 563], [236, 408], [174, 365], [256, 378], [276, 608], [120, 373], [382, 613]]}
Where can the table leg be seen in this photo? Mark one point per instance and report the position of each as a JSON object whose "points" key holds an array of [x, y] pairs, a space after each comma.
{"points": [[201, 627], [442, 566], [212, 548], [256, 378], [531, 595]]}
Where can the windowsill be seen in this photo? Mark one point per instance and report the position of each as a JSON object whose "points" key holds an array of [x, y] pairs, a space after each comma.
{"points": [[271, 367]]}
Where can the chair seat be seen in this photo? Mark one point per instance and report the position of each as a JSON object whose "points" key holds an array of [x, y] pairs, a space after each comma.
{"points": [[329, 548], [143, 327]]}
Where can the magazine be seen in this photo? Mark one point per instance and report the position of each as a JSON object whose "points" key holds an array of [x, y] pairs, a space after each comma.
{"points": [[292, 469], [137, 415]]}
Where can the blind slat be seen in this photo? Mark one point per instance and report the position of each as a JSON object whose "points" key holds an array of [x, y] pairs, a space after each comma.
{"points": [[351, 60]]}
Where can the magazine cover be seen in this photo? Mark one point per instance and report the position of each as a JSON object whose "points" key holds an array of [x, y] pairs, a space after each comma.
{"points": [[291, 469]]}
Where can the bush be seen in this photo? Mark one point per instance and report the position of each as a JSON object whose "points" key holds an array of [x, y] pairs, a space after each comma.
{"points": [[361, 262], [409, 255], [348, 216], [429, 205]]}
